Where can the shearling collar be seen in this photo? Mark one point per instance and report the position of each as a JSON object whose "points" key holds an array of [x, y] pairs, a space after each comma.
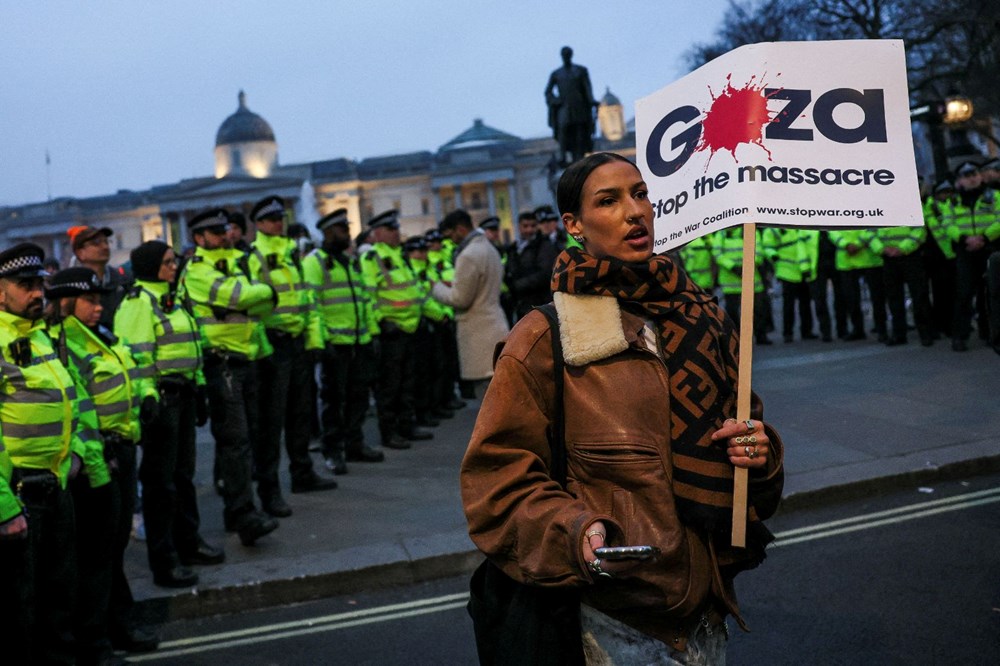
{"points": [[592, 328]]}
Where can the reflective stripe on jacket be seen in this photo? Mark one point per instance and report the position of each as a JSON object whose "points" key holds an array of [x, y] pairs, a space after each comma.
{"points": [[162, 336], [39, 408], [342, 301]]}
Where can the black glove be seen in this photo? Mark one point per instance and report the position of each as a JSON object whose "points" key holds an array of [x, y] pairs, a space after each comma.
{"points": [[201, 406], [388, 328], [148, 410]]}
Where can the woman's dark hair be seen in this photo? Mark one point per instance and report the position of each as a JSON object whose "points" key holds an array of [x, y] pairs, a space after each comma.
{"points": [[570, 189]]}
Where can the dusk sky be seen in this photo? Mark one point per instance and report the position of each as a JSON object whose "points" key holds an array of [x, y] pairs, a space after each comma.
{"points": [[127, 95]]}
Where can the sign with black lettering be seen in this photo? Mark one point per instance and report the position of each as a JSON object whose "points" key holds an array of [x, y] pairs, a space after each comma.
{"points": [[813, 134]]}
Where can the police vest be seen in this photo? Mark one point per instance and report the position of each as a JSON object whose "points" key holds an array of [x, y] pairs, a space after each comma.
{"points": [[38, 407], [698, 263], [729, 256], [162, 336], [937, 218], [111, 377], [272, 262], [225, 303], [788, 251], [864, 239], [980, 219], [397, 295], [905, 239], [341, 298]]}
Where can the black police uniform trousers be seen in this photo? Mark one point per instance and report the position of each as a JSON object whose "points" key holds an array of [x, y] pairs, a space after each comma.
{"points": [[231, 384], [733, 305], [396, 383], [169, 501], [792, 294], [283, 398], [347, 374], [446, 351], [120, 615], [38, 576], [970, 285], [907, 271], [97, 512], [940, 271], [851, 281]]}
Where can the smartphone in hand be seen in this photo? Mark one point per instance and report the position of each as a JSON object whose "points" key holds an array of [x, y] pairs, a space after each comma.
{"points": [[612, 553]]}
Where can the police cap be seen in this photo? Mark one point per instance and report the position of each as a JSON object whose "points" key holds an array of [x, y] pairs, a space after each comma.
{"points": [[389, 218], [414, 243], [338, 216], [992, 164], [491, 223], [433, 236], [545, 214], [213, 218], [24, 260], [944, 186], [967, 169], [74, 281], [268, 208]]}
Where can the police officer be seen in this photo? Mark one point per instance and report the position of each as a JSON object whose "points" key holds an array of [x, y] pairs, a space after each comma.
{"points": [[939, 257], [397, 301], [793, 268], [904, 265], [729, 257], [348, 366], [122, 399], [293, 330], [226, 302], [441, 268], [39, 452], [858, 257], [164, 340], [699, 263], [974, 232]]}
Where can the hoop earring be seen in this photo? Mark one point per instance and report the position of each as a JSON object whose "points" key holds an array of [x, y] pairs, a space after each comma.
{"points": [[579, 238]]}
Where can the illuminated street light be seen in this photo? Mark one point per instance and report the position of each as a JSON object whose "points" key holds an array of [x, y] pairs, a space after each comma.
{"points": [[956, 110]]}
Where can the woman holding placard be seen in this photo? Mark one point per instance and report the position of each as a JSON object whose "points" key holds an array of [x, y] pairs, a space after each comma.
{"points": [[609, 482]]}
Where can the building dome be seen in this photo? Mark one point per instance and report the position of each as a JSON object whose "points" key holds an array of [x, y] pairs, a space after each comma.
{"points": [[243, 126], [245, 145], [610, 99]]}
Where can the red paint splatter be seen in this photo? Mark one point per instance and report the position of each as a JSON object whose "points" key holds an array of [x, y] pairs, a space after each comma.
{"points": [[736, 117]]}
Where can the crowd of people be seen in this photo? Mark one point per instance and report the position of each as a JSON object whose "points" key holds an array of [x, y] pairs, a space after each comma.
{"points": [[107, 372]]}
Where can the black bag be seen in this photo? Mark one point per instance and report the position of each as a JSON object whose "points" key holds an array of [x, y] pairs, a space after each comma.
{"points": [[527, 625]]}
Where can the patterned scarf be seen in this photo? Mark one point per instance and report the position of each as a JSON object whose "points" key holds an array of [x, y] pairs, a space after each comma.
{"points": [[699, 346]]}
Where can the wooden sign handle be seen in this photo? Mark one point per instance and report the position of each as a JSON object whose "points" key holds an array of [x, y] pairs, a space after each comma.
{"points": [[739, 532]]}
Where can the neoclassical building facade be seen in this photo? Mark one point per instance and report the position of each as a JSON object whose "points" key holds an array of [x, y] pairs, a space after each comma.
{"points": [[484, 170]]}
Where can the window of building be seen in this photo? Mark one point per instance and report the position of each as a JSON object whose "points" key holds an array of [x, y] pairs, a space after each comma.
{"points": [[397, 205], [477, 200], [425, 206]]}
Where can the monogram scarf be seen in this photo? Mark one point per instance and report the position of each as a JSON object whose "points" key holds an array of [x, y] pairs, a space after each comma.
{"points": [[699, 346]]}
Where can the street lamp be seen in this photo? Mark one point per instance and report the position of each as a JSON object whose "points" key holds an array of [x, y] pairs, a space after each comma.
{"points": [[940, 114], [957, 109]]}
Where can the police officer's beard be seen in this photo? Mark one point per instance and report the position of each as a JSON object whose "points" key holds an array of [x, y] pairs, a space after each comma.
{"points": [[34, 309]]}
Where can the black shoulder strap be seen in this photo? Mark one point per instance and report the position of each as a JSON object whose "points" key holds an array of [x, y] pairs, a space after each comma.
{"points": [[557, 438]]}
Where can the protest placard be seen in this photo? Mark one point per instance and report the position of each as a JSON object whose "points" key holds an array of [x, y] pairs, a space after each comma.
{"points": [[813, 134], [810, 134]]}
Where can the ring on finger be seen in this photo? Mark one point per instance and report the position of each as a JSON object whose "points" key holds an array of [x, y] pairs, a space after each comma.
{"points": [[751, 439], [595, 533], [750, 426], [753, 454], [740, 439]]}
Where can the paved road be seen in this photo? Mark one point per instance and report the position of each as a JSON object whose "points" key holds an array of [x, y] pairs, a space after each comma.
{"points": [[908, 577]]}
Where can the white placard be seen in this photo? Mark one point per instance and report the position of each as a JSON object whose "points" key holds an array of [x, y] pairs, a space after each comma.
{"points": [[813, 134]]}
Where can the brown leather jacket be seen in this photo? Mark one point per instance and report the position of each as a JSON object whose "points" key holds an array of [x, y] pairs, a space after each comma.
{"points": [[619, 470]]}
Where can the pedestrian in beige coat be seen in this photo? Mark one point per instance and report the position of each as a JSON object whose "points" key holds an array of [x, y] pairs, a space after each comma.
{"points": [[475, 295]]}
